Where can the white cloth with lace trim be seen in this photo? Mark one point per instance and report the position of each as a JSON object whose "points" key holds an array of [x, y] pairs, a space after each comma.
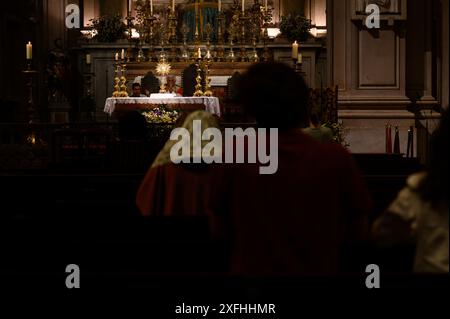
{"points": [[212, 104]]}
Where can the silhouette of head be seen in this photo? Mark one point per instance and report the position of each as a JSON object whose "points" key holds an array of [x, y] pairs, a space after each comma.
{"points": [[275, 95]]}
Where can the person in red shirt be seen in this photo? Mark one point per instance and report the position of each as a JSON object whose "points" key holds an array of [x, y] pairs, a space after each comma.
{"points": [[297, 220], [294, 221], [170, 189]]}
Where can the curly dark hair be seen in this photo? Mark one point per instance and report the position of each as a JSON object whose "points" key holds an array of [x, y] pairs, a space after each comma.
{"points": [[275, 95], [435, 187]]}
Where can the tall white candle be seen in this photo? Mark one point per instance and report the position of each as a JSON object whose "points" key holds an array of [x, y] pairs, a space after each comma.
{"points": [[151, 7], [199, 53], [300, 58], [173, 5], [122, 55], [220, 5], [295, 50], [116, 56], [29, 50], [243, 5], [266, 5], [129, 5]]}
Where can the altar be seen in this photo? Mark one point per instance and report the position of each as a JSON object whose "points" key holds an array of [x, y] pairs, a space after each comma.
{"points": [[188, 104]]}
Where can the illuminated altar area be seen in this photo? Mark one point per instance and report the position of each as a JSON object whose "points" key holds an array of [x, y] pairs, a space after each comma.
{"points": [[222, 38], [378, 77]]}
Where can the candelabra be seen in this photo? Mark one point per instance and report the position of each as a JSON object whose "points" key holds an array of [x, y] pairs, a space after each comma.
{"points": [[123, 81], [31, 137], [231, 56], [208, 32], [208, 92], [141, 41], [172, 36], [29, 74], [116, 92], [267, 17], [243, 54], [196, 33], [198, 79], [150, 20], [130, 36], [220, 35], [185, 54], [255, 57]]}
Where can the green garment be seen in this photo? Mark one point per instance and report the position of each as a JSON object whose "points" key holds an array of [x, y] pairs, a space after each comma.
{"points": [[321, 134]]}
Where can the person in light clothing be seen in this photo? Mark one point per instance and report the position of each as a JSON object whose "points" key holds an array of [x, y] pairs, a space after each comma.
{"points": [[420, 212]]}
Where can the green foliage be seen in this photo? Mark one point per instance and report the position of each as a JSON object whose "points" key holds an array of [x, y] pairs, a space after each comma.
{"points": [[295, 28], [339, 132], [109, 28]]}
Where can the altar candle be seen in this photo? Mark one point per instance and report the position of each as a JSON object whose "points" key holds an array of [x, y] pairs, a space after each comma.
{"points": [[129, 6], [220, 5], [243, 5], [122, 54], [151, 7], [199, 53], [88, 59], [208, 55], [266, 5], [300, 58], [29, 50], [173, 5], [295, 50], [117, 56]]}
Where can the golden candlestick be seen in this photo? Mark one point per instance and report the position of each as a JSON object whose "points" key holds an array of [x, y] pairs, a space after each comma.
{"points": [[208, 92], [267, 18], [116, 92], [123, 87], [198, 79], [172, 37], [220, 49], [243, 53], [196, 34], [129, 19], [149, 21]]}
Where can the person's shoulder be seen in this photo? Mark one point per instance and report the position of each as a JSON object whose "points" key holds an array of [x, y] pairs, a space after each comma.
{"points": [[414, 180], [327, 130]]}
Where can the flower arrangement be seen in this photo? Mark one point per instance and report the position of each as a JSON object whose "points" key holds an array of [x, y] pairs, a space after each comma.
{"points": [[339, 132], [295, 28], [161, 115], [109, 28]]}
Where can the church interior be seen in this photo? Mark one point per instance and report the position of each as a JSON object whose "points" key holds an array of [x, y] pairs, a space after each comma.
{"points": [[91, 92]]}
